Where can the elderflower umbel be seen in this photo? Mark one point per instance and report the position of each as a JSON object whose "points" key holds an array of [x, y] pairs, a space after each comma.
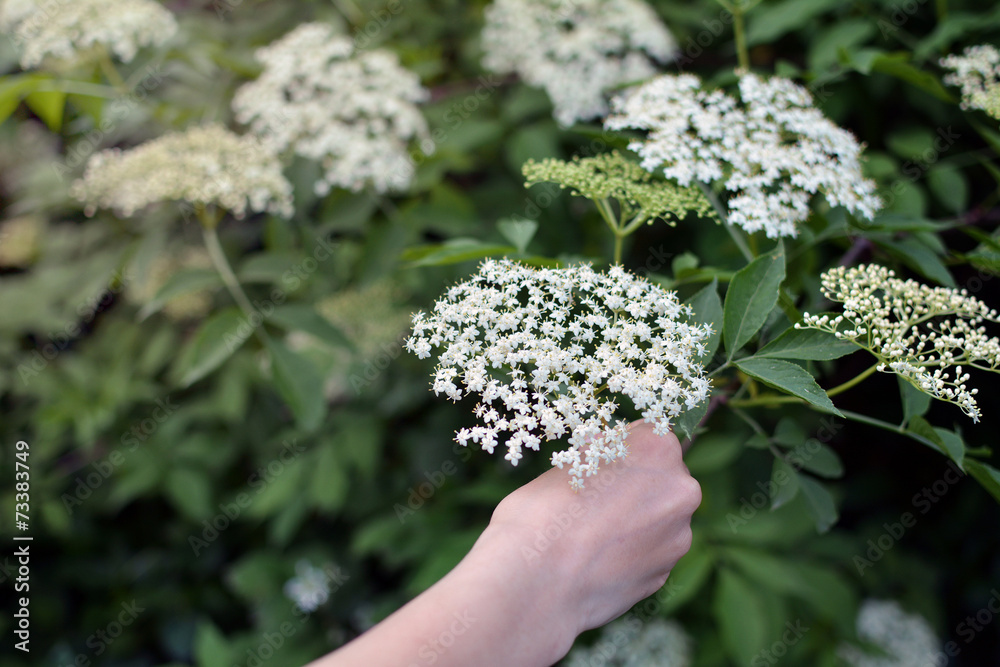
{"points": [[631, 643], [65, 29], [926, 335], [773, 151], [354, 112], [575, 50], [547, 351], [907, 639], [612, 176], [203, 166], [977, 72]]}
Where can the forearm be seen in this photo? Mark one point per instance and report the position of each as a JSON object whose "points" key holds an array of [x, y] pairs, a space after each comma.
{"points": [[494, 608]]}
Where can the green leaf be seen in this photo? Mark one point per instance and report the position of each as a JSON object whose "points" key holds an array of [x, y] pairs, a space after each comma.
{"points": [[953, 444], [519, 231], [786, 482], [707, 307], [820, 503], [182, 282], [714, 451], [303, 317], [299, 384], [14, 88], [789, 433], [769, 22], [329, 483], [687, 578], [897, 65], [453, 252], [49, 105], [191, 492], [790, 378], [915, 402], [741, 615], [986, 475], [817, 458], [950, 187], [210, 647], [811, 344], [752, 295], [216, 340], [920, 258], [687, 423]]}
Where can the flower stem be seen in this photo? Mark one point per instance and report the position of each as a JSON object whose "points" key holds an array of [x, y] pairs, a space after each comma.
{"points": [[740, 242], [739, 31], [221, 264], [111, 72], [775, 399]]}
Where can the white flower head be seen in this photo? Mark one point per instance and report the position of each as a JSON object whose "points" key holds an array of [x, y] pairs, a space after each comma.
{"points": [[309, 588], [206, 165], [906, 639], [773, 150], [63, 30], [629, 642], [577, 50], [550, 352], [353, 111], [926, 335], [977, 72]]}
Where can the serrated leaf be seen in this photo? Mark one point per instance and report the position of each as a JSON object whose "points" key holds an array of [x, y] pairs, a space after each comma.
{"points": [[707, 307], [687, 423], [786, 483], [920, 258], [741, 615], [808, 344], [519, 231], [182, 282], [915, 402], [752, 294], [49, 106], [453, 252], [950, 187], [303, 317], [986, 475], [953, 444], [790, 378], [216, 340], [299, 384], [817, 458], [820, 503]]}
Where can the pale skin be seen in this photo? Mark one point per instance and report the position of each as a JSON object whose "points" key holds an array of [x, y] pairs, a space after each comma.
{"points": [[551, 564]]}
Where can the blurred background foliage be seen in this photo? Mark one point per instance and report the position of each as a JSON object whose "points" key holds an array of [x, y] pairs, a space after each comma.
{"points": [[189, 477]]}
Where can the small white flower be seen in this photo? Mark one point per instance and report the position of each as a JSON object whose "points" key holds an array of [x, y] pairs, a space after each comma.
{"points": [[353, 112], [773, 152], [309, 588], [203, 166], [977, 72], [65, 29], [908, 639], [924, 334], [577, 50], [547, 350], [629, 642]]}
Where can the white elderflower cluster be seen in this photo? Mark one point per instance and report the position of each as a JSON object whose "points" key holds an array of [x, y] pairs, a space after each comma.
{"points": [[773, 152], [354, 112], [548, 350], [977, 72], [309, 588], [907, 639], [576, 50], [630, 643], [64, 30], [926, 335], [206, 166]]}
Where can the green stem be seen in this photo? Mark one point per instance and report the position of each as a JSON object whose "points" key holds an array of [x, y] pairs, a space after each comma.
{"points": [[111, 72], [774, 399], [739, 30], [878, 423], [942, 10], [221, 264], [740, 242]]}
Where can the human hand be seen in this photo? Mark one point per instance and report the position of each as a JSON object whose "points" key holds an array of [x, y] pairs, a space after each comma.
{"points": [[614, 543]]}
